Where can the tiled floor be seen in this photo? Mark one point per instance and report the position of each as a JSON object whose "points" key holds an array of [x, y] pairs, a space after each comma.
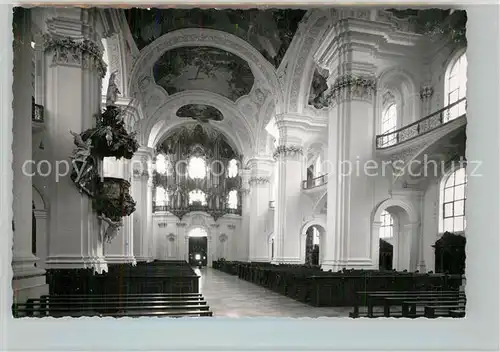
{"points": [[229, 296]]}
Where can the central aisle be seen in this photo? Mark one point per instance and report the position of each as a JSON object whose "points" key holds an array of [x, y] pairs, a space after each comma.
{"points": [[229, 296]]}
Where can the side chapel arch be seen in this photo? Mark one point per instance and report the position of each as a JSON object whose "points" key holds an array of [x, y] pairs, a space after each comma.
{"points": [[261, 68], [405, 233]]}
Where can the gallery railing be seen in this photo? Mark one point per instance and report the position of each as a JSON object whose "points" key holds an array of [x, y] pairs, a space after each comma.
{"points": [[423, 126], [180, 212], [315, 182]]}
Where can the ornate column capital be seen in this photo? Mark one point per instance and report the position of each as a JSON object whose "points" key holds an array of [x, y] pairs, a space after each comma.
{"points": [[426, 92], [231, 226], [349, 87], [162, 225], [181, 224], [288, 151], [258, 181], [245, 191], [66, 51], [214, 226]]}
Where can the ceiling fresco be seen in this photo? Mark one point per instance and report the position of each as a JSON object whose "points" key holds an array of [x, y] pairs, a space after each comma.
{"points": [[200, 112], [203, 68], [269, 31]]}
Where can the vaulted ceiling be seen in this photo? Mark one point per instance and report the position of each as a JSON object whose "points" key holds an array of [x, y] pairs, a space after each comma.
{"points": [[203, 68], [270, 31]]}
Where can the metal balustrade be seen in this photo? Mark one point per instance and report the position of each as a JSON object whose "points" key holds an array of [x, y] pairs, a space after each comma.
{"points": [[195, 207], [315, 182], [37, 113], [423, 126]]}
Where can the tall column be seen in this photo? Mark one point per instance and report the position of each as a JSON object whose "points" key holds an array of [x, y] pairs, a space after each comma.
{"points": [[141, 192], [242, 250], [213, 243], [74, 69], [351, 174], [28, 279], [234, 238], [287, 216], [259, 182], [183, 250]]}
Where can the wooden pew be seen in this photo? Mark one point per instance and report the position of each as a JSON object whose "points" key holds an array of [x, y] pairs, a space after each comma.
{"points": [[444, 310], [371, 299], [409, 307], [112, 306]]}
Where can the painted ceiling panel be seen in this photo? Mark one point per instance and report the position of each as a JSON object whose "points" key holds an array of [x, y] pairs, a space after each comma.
{"points": [[270, 31], [203, 68]]}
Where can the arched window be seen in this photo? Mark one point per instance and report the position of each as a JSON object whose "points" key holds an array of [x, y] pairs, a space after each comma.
{"points": [[389, 124], [197, 196], [453, 195], [232, 199], [386, 225], [161, 164], [161, 196], [456, 88], [232, 170], [197, 167]]}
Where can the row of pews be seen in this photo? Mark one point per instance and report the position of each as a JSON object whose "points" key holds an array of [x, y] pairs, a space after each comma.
{"points": [[159, 288], [159, 305], [371, 292], [410, 304]]}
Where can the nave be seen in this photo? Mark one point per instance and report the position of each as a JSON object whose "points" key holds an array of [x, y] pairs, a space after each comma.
{"points": [[230, 296]]}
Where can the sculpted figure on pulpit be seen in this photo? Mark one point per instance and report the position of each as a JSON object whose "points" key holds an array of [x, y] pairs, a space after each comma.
{"points": [[113, 91]]}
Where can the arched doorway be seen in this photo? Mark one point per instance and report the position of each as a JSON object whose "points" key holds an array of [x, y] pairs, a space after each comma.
{"points": [[198, 246], [312, 246], [312, 243], [395, 236], [39, 244]]}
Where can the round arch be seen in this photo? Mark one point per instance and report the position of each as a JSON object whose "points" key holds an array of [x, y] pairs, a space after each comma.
{"points": [[261, 68], [38, 199], [401, 84], [405, 240], [320, 223], [449, 63], [301, 66], [152, 129], [40, 226]]}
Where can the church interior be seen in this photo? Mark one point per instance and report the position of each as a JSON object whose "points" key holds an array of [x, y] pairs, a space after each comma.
{"points": [[239, 162]]}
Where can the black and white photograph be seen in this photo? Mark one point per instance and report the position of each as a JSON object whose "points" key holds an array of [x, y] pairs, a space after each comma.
{"points": [[240, 162]]}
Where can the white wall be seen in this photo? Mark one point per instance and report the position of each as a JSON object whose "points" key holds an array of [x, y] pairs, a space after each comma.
{"points": [[171, 235]]}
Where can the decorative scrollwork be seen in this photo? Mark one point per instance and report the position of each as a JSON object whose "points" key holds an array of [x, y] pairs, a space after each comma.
{"points": [[287, 151], [162, 225], [83, 53], [231, 226], [426, 92], [258, 181]]}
